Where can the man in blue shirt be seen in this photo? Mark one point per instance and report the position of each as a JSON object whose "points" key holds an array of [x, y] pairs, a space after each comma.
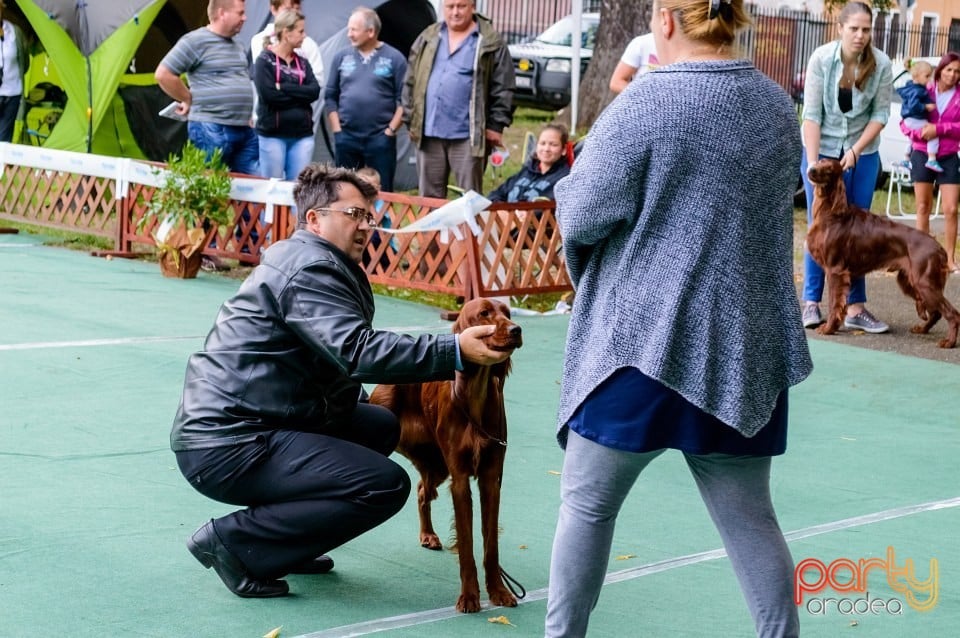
{"points": [[457, 98], [363, 98]]}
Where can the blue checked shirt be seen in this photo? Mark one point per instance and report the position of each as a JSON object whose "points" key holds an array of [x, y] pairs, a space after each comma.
{"points": [[839, 131]]}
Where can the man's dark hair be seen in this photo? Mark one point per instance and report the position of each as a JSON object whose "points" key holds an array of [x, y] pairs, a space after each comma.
{"points": [[318, 185]]}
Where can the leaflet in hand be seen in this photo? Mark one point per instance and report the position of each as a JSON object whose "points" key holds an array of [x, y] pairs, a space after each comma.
{"points": [[170, 111]]}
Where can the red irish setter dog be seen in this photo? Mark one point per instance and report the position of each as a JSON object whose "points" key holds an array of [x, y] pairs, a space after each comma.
{"points": [[459, 429], [848, 241]]}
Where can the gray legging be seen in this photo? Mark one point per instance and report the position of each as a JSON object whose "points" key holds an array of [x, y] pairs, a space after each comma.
{"points": [[736, 490]]}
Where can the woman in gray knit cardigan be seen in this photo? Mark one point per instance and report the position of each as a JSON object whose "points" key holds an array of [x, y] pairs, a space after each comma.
{"points": [[677, 222]]}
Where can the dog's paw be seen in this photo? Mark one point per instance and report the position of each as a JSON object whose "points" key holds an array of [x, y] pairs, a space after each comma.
{"points": [[947, 343], [827, 329], [920, 329], [502, 598], [430, 541], [469, 603]]}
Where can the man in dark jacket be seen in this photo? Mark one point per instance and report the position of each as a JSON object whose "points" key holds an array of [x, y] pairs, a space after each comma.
{"points": [[457, 98], [271, 415]]}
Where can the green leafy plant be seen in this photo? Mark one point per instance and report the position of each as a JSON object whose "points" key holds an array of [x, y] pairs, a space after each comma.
{"points": [[193, 190]]}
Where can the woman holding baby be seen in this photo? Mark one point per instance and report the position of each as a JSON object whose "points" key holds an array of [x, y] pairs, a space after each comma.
{"points": [[943, 125]]}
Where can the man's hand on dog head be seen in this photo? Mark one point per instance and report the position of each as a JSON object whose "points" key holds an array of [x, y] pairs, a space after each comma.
{"points": [[474, 349]]}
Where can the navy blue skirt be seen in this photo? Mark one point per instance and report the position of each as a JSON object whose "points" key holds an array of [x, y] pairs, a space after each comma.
{"points": [[630, 411]]}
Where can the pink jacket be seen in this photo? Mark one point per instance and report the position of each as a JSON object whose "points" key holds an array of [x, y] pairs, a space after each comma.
{"points": [[948, 126]]}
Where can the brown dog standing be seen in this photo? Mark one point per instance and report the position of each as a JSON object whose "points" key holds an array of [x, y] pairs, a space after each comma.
{"points": [[848, 241], [459, 429]]}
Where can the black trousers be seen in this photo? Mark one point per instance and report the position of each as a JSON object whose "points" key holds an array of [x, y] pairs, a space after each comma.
{"points": [[305, 493], [9, 107]]}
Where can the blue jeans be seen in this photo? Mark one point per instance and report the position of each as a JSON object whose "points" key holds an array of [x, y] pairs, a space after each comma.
{"points": [[378, 151], [860, 183], [237, 144], [284, 157]]}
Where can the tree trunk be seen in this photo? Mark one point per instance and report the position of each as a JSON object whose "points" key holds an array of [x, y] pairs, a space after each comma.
{"points": [[620, 22]]}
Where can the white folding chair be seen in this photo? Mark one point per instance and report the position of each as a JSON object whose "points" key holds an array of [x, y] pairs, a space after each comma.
{"points": [[900, 179]]}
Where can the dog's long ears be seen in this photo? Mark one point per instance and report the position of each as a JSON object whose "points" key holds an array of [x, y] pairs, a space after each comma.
{"points": [[460, 324], [501, 370]]}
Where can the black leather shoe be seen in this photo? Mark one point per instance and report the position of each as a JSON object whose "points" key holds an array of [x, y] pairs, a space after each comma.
{"points": [[318, 565], [207, 548]]}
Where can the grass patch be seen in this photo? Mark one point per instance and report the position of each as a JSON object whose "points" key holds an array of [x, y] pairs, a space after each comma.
{"points": [[62, 238], [434, 299], [539, 303]]}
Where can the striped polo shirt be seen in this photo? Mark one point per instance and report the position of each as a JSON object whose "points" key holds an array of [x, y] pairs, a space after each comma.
{"points": [[218, 75]]}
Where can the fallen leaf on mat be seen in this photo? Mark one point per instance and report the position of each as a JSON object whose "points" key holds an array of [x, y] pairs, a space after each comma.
{"points": [[523, 547], [626, 556], [554, 472], [273, 633], [503, 620]]}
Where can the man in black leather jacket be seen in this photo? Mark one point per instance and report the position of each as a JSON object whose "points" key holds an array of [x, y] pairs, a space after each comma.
{"points": [[271, 416]]}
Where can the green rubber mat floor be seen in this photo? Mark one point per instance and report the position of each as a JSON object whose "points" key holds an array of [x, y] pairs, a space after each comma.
{"points": [[94, 513]]}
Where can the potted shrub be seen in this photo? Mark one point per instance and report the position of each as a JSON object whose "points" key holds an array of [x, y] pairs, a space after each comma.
{"points": [[193, 194]]}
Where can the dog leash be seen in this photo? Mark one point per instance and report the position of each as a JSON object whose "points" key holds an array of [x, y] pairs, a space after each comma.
{"points": [[475, 425], [510, 582], [502, 442]]}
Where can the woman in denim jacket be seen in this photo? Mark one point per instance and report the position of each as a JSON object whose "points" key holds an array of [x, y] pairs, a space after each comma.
{"points": [[846, 105]]}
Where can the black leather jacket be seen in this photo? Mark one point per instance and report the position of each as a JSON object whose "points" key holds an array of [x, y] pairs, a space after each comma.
{"points": [[291, 348]]}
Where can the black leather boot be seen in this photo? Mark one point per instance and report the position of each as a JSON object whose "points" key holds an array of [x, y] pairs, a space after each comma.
{"points": [[207, 548]]}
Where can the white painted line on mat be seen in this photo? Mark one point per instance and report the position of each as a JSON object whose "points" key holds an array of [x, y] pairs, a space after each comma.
{"points": [[89, 343], [426, 617], [404, 329], [128, 340]]}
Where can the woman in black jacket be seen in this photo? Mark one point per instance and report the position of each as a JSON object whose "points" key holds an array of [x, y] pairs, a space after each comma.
{"points": [[287, 90], [541, 172]]}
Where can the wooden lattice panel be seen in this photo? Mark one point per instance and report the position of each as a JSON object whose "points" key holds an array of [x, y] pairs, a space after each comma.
{"points": [[56, 199], [249, 235], [519, 251], [417, 260]]}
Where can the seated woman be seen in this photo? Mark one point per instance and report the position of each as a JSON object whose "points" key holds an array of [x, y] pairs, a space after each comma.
{"points": [[541, 172]]}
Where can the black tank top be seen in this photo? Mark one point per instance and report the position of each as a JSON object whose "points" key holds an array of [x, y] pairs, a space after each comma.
{"points": [[845, 99]]}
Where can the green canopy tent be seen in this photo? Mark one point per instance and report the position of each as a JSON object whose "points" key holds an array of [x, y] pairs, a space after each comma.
{"points": [[103, 56], [90, 49]]}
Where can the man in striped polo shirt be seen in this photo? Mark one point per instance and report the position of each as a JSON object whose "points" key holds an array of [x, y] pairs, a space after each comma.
{"points": [[217, 98]]}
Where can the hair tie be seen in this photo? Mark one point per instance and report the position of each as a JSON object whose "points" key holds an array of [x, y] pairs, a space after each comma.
{"points": [[718, 7]]}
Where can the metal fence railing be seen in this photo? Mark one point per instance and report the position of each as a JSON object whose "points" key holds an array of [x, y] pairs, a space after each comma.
{"points": [[779, 42]]}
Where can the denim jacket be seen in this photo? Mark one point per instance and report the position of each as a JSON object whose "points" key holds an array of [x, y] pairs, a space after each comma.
{"points": [[839, 131], [914, 99]]}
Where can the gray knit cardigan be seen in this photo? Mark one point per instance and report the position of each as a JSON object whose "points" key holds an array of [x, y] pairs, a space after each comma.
{"points": [[677, 224]]}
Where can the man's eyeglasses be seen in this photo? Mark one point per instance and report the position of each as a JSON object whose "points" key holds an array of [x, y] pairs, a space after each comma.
{"points": [[356, 213]]}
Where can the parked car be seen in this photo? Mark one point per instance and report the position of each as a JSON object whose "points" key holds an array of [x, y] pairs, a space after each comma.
{"points": [[543, 65]]}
